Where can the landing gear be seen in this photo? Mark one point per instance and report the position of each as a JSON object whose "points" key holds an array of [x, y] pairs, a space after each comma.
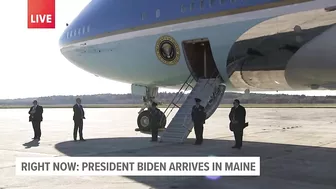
{"points": [[144, 121], [144, 117]]}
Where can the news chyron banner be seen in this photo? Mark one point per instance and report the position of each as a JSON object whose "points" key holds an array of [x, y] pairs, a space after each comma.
{"points": [[138, 166], [41, 14]]}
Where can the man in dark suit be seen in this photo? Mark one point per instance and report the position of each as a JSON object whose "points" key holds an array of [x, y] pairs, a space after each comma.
{"points": [[198, 116], [237, 122], [78, 117], [155, 121], [35, 116]]}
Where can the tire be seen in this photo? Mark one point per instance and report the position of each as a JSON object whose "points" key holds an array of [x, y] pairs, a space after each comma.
{"points": [[143, 121]]}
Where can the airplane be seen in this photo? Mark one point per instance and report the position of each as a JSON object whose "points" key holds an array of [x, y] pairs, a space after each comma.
{"points": [[240, 45]]}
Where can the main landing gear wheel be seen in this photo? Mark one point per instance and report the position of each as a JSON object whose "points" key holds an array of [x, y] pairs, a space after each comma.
{"points": [[144, 119]]}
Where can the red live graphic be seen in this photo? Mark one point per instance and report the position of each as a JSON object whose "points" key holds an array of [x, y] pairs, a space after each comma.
{"points": [[41, 13]]}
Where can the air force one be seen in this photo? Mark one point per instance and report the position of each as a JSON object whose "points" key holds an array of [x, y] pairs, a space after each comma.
{"points": [[206, 46]]}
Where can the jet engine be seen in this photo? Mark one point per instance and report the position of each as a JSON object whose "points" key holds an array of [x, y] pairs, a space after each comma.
{"points": [[300, 58]]}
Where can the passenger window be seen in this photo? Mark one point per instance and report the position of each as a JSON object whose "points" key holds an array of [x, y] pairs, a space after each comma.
{"points": [[211, 3], [71, 33], [192, 5], [143, 16], [83, 29], [67, 34], [79, 32], [88, 29], [157, 13], [182, 8], [222, 1], [75, 32], [201, 4]]}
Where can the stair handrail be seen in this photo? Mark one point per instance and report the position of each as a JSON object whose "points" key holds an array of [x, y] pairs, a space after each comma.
{"points": [[211, 83], [215, 100], [213, 73], [178, 93]]}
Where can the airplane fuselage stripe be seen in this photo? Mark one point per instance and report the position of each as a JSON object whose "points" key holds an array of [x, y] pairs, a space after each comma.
{"points": [[192, 18]]}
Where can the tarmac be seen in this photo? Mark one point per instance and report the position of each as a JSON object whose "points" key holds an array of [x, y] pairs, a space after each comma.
{"points": [[297, 148]]}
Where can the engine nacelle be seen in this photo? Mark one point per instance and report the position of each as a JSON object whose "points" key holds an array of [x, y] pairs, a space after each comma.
{"points": [[261, 74], [289, 52], [313, 66]]}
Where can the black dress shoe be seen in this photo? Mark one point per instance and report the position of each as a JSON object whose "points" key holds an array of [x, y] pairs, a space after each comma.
{"points": [[82, 139]]}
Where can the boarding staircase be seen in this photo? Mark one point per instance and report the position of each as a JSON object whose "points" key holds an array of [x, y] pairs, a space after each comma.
{"points": [[210, 91]]}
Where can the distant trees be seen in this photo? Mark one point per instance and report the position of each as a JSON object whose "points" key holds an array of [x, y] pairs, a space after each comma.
{"points": [[165, 97]]}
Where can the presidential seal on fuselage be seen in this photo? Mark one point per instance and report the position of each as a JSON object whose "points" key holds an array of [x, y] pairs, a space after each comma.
{"points": [[167, 50]]}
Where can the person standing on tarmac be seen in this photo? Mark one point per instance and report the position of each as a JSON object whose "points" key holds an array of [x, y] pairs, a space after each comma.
{"points": [[35, 116], [237, 122], [78, 117], [198, 116], [155, 121]]}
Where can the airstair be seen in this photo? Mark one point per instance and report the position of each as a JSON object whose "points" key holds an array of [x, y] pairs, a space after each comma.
{"points": [[210, 91]]}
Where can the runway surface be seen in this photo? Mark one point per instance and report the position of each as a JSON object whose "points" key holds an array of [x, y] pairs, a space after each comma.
{"points": [[297, 148]]}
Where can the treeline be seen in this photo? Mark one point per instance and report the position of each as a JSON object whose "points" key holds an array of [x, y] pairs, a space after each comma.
{"points": [[251, 98]]}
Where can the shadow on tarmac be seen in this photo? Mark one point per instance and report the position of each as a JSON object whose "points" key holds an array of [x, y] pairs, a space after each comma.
{"points": [[282, 166]]}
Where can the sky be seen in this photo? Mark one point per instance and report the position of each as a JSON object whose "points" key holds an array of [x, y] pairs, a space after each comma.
{"points": [[31, 62]]}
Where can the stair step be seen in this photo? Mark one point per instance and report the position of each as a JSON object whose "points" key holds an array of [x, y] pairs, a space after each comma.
{"points": [[176, 137], [184, 114], [172, 140], [179, 122], [181, 125], [177, 129], [174, 134]]}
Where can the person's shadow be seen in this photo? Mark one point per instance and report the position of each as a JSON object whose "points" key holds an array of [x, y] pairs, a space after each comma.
{"points": [[33, 143]]}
